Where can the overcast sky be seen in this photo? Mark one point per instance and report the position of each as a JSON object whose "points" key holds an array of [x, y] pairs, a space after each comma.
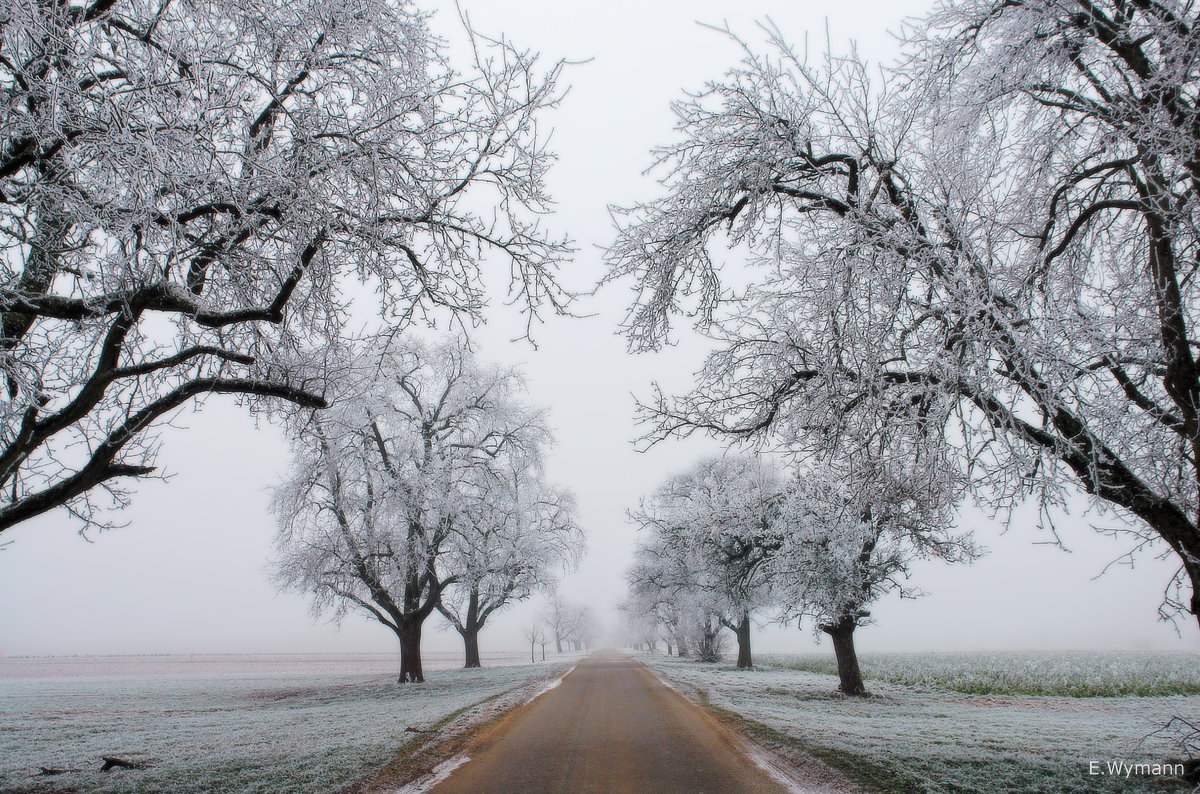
{"points": [[189, 573]]}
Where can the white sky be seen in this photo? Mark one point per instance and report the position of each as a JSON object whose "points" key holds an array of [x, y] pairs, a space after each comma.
{"points": [[189, 573]]}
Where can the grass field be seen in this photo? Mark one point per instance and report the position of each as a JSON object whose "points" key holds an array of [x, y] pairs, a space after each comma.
{"points": [[1063, 674], [230, 728], [923, 735]]}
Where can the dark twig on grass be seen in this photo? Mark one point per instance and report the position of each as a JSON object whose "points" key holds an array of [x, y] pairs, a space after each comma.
{"points": [[111, 763], [1185, 736]]}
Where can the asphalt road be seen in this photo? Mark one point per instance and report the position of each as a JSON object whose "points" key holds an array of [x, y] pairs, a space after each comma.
{"points": [[610, 726]]}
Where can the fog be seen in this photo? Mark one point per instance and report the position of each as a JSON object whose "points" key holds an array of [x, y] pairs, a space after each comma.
{"points": [[189, 573]]}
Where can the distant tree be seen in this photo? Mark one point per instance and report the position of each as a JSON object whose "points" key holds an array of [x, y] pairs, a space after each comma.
{"points": [[849, 533], [534, 635], [386, 480], [998, 243], [557, 618], [654, 605], [187, 188], [708, 526], [666, 601], [638, 623], [710, 643], [515, 532], [581, 627]]}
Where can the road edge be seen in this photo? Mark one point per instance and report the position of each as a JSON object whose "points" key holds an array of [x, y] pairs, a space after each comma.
{"points": [[419, 765], [785, 760]]}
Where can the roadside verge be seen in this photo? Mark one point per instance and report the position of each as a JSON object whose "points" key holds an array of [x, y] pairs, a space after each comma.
{"points": [[790, 765], [426, 760]]}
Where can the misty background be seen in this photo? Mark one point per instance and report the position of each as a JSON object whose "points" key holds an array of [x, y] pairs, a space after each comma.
{"points": [[189, 574]]}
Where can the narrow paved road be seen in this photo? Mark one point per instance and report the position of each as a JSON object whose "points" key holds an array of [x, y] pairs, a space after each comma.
{"points": [[611, 726]]}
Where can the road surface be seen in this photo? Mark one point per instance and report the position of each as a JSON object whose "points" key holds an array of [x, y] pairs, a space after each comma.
{"points": [[610, 726]]}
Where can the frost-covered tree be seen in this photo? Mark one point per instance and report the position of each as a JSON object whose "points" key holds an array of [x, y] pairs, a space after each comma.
{"points": [[188, 189], [515, 533], [847, 533], [998, 243], [704, 535], [581, 627], [559, 615], [640, 626], [572, 625], [651, 609], [387, 478], [535, 634]]}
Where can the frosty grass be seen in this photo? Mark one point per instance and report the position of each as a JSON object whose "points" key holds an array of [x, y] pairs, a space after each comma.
{"points": [[920, 735], [228, 732], [1068, 674]]}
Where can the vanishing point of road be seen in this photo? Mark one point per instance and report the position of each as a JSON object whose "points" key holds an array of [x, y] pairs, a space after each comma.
{"points": [[610, 726]]}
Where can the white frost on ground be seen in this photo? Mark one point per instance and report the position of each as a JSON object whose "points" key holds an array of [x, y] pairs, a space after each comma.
{"points": [[810, 777], [229, 731], [797, 772], [1070, 673], [233, 664], [938, 740], [440, 773]]}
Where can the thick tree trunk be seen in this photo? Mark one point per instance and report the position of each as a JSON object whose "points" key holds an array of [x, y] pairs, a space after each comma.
{"points": [[558, 643], [668, 642], [850, 676], [471, 643], [681, 648], [743, 640], [410, 652], [470, 631]]}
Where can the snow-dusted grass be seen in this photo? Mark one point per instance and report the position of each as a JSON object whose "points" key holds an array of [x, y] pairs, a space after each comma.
{"points": [[228, 732], [910, 739], [1065, 674]]}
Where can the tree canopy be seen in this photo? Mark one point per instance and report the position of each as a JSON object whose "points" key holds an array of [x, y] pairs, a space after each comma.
{"points": [[996, 243], [188, 192], [392, 488]]}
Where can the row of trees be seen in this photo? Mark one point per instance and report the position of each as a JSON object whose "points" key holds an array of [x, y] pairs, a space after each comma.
{"points": [[989, 256], [734, 537], [196, 197], [421, 489], [566, 625], [993, 248], [570, 625]]}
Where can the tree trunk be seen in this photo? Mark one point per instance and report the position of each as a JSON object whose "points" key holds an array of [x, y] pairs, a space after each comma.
{"points": [[470, 631], [668, 642], [708, 649], [471, 643], [681, 648], [410, 652], [558, 643], [743, 640], [842, 634]]}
